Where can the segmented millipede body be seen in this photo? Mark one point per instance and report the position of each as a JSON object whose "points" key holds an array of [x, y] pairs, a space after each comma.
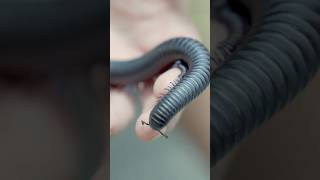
{"points": [[274, 61], [190, 53]]}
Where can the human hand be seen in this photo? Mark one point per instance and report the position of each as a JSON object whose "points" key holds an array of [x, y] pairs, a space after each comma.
{"points": [[135, 28]]}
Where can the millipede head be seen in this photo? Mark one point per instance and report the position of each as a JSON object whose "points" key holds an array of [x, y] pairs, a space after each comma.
{"points": [[163, 134]]}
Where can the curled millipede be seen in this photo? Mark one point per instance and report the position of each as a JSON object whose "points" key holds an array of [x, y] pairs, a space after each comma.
{"points": [[193, 60], [271, 65]]}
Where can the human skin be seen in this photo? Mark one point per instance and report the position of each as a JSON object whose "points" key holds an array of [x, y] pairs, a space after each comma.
{"points": [[135, 28]]}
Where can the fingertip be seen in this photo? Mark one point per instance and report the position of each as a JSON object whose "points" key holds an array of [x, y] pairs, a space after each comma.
{"points": [[146, 133], [112, 131], [143, 130], [118, 119], [115, 128]]}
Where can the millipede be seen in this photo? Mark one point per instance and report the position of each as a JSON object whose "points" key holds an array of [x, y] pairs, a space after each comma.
{"points": [[273, 51], [189, 55]]}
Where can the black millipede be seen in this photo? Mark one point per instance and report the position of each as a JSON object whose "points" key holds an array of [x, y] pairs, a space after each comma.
{"points": [[267, 66], [189, 55]]}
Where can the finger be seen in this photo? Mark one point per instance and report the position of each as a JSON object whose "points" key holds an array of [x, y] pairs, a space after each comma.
{"points": [[150, 98], [122, 111]]}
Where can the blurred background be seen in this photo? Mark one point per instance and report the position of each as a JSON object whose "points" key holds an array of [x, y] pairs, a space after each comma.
{"points": [[185, 155], [51, 128], [286, 147], [52, 89]]}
